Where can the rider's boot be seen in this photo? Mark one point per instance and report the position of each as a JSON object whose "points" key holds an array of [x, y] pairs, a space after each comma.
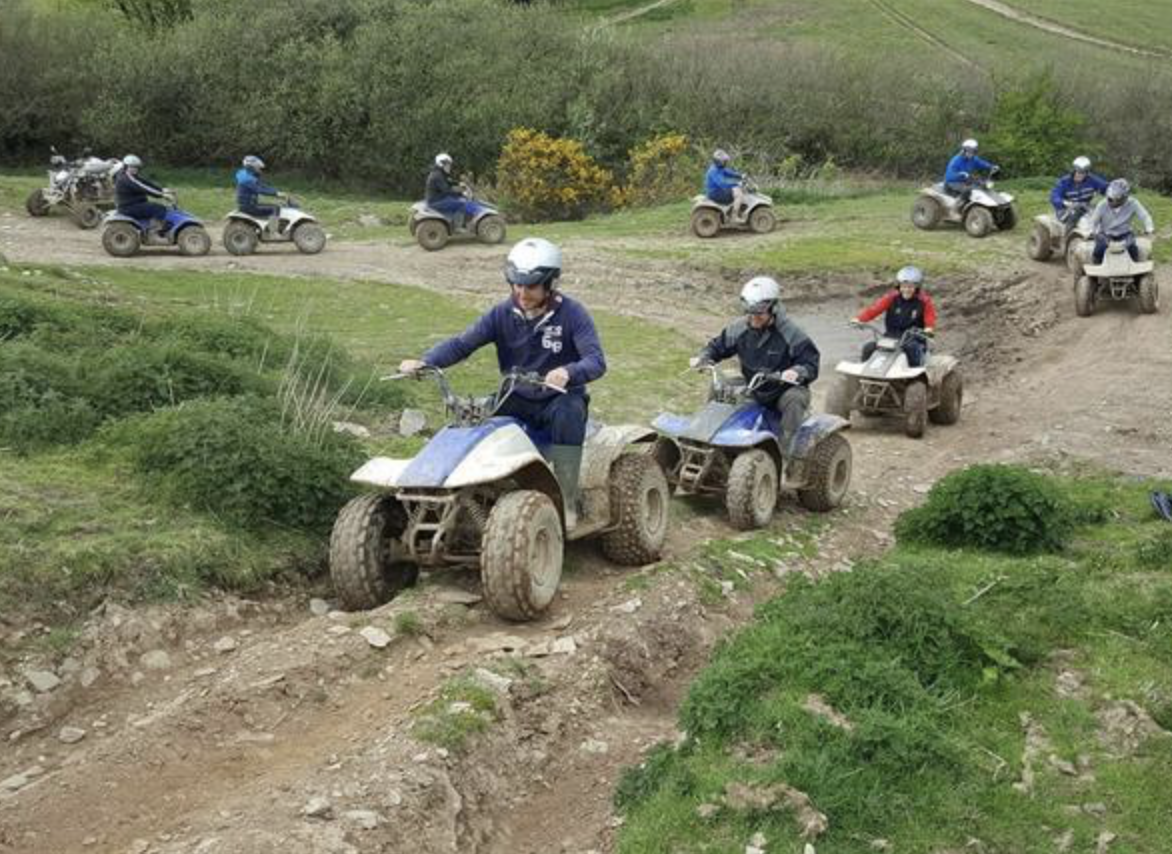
{"points": [[567, 466]]}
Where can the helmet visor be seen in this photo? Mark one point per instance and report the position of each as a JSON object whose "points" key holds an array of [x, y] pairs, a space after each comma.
{"points": [[760, 307], [528, 278]]}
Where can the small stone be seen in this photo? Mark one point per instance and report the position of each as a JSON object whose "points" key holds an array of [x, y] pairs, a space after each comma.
{"points": [[204, 672], [727, 589], [921, 489], [753, 849], [368, 220], [561, 623], [442, 752], [339, 630], [492, 681], [497, 642], [19, 781], [593, 745], [43, 681], [225, 645], [156, 659], [139, 846], [71, 734], [1096, 809], [758, 840], [318, 808], [412, 422], [89, 676], [809, 849], [420, 758], [375, 636], [628, 607], [1063, 766], [1104, 841], [363, 819], [880, 845], [459, 707], [707, 811], [350, 429], [319, 607], [564, 646], [456, 596]]}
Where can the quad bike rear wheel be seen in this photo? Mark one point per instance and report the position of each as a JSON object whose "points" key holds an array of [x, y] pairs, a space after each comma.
{"points": [[1074, 255], [762, 220], [978, 221], [1039, 247], [194, 240], [1149, 294], [36, 204], [521, 555], [240, 238], [365, 558], [841, 396], [828, 474], [705, 222], [309, 238], [491, 229], [121, 239], [927, 213], [431, 234], [915, 409], [1084, 296], [951, 398], [87, 215], [751, 496], [639, 501]]}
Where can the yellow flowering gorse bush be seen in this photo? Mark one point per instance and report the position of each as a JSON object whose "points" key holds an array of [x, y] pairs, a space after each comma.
{"points": [[664, 168], [545, 177]]}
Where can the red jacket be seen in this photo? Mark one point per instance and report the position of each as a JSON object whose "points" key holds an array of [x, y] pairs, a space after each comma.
{"points": [[900, 313]]}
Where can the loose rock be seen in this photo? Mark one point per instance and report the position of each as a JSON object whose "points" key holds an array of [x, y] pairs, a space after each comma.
{"points": [[628, 607], [318, 808], [42, 681], [363, 819], [375, 636], [225, 645], [492, 681], [319, 607], [412, 422], [71, 734], [156, 659]]}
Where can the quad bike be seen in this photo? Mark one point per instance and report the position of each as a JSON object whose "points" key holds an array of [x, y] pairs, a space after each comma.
{"points": [[123, 236], [481, 493], [244, 232], [84, 187], [1051, 237], [985, 210], [885, 384], [1117, 278], [709, 217], [433, 229], [733, 448]]}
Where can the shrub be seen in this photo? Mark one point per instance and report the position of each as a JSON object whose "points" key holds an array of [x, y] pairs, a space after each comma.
{"points": [[664, 168], [995, 507], [232, 458], [1033, 132], [544, 177]]}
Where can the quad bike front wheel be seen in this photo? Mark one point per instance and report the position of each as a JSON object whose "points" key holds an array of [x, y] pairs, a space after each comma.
{"points": [[1005, 218], [36, 204], [978, 221], [491, 229], [762, 220], [87, 215], [194, 240], [705, 222], [951, 399], [639, 502], [1039, 247], [751, 496], [1148, 294], [309, 238], [841, 396], [364, 564], [521, 555], [431, 234], [121, 239], [915, 410], [1084, 296], [828, 474], [926, 213], [240, 238]]}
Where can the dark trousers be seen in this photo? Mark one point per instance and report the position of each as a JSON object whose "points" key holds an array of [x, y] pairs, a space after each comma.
{"points": [[260, 211], [563, 416], [455, 208], [144, 211], [916, 351], [961, 189], [1102, 240]]}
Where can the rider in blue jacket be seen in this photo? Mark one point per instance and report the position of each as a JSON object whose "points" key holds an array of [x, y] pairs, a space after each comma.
{"points": [[960, 174], [722, 183], [1074, 192], [249, 189]]}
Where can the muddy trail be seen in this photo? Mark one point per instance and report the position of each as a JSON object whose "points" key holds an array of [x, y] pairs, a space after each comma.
{"points": [[237, 726]]}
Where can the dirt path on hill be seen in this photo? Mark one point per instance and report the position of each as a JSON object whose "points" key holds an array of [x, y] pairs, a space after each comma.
{"points": [[1017, 15], [262, 727]]}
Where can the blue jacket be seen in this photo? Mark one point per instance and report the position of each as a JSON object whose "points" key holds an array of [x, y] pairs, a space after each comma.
{"points": [[720, 179], [1082, 193], [563, 337], [961, 168], [249, 188]]}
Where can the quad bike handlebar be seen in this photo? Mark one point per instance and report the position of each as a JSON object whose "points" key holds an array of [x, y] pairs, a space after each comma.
{"points": [[911, 334], [725, 388], [470, 410]]}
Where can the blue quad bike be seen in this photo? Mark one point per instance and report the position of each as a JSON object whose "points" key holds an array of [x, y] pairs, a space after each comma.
{"points": [[433, 229], [481, 494], [732, 448], [123, 236]]}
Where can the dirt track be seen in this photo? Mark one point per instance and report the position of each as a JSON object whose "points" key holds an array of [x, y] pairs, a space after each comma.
{"points": [[222, 751]]}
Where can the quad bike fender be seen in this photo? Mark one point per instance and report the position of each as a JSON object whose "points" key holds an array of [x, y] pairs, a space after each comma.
{"points": [[381, 472], [295, 216], [606, 445], [698, 427], [1118, 264], [813, 430], [886, 363], [702, 201], [1052, 225], [237, 216], [749, 426], [114, 216], [177, 219], [939, 367]]}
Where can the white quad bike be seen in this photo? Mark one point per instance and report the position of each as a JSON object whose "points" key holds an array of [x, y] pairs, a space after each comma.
{"points": [[709, 217], [1117, 278], [985, 211], [433, 229], [1050, 237], [244, 232], [480, 494], [84, 187], [885, 384]]}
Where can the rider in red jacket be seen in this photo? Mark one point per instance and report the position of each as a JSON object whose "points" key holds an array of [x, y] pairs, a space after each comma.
{"points": [[904, 308]]}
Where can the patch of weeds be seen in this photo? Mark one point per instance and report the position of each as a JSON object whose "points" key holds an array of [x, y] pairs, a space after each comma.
{"points": [[57, 642], [409, 624], [523, 671], [464, 709], [1155, 552]]}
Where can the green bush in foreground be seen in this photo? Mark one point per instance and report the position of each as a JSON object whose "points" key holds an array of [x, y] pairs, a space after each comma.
{"points": [[233, 458], [994, 507]]}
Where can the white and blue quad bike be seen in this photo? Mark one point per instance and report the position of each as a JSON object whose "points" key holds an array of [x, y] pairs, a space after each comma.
{"points": [[433, 229], [245, 232], [481, 494], [732, 448], [123, 236], [987, 210]]}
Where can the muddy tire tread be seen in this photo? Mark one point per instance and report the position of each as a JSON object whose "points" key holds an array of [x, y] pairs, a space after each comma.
{"points": [[360, 579], [742, 489], [505, 551], [951, 399], [819, 496], [630, 544]]}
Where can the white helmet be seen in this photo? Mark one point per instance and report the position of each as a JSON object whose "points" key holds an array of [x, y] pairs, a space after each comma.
{"points": [[910, 276], [254, 162], [443, 160], [969, 145], [1117, 192], [533, 261], [721, 156], [760, 294], [1082, 164], [130, 161]]}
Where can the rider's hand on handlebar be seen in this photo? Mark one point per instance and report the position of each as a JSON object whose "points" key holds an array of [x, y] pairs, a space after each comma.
{"points": [[558, 378], [855, 322], [929, 332], [411, 366], [698, 362], [790, 375]]}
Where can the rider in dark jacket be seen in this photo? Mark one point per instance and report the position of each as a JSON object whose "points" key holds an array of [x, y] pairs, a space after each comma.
{"points": [[444, 195], [133, 192]]}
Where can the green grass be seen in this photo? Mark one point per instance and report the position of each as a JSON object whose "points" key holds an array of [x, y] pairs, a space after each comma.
{"points": [[451, 728], [933, 656]]}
